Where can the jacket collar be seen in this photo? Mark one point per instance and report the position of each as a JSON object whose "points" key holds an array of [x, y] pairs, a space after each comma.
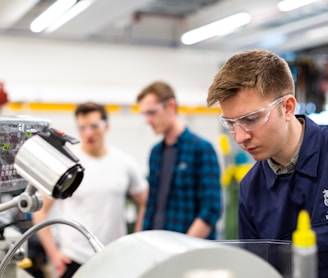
{"points": [[308, 159]]}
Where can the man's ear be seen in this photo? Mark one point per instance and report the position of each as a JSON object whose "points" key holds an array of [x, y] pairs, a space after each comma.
{"points": [[171, 102], [290, 104]]}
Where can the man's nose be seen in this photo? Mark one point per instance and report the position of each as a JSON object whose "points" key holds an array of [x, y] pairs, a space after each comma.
{"points": [[88, 130], [241, 135]]}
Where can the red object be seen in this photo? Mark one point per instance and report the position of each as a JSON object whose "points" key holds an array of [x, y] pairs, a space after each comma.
{"points": [[3, 95]]}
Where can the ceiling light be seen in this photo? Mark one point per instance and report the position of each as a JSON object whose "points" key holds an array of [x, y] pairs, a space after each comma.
{"points": [[71, 13], [51, 15], [288, 5], [218, 28]]}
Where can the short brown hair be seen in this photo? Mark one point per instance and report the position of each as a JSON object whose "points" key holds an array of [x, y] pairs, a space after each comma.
{"points": [[160, 89], [256, 69], [88, 107]]}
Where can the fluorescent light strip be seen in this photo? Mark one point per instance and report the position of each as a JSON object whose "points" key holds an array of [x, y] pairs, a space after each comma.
{"points": [[51, 14], [221, 27], [288, 5], [71, 13]]}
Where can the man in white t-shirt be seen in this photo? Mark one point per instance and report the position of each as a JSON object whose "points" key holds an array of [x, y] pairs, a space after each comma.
{"points": [[98, 204]]}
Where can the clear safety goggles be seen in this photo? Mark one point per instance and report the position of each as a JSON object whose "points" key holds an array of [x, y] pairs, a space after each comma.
{"points": [[251, 120]]}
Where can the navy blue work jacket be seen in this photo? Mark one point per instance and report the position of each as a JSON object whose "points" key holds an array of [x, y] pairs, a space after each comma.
{"points": [[269, 204]]}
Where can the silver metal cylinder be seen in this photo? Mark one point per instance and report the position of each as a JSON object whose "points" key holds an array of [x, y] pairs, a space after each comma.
{"points": [[41, 164]]}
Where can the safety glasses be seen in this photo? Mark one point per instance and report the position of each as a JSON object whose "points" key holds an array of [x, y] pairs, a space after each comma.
{"points": [[252, 120], [93, 126], [153, 111]]}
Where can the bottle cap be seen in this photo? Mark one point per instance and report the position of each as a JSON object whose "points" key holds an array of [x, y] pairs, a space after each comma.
{"points": [[304, 235]]}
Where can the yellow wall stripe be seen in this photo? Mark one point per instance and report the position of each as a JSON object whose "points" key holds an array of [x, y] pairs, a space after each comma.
{"points": [[37, 106], [40, 106]]}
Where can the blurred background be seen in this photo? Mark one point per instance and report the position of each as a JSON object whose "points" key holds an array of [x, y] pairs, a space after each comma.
{"points": [[60, 51]]}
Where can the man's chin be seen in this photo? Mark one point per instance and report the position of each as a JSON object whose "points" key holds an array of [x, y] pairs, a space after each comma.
{"points": [[90, 146], [259, 157]]}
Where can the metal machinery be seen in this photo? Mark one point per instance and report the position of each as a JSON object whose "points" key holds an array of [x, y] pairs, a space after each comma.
{"points": [[28, 146], [14, 131], [163, 254]]}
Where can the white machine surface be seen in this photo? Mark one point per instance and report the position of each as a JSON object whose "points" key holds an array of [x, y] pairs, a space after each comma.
{"points": [[163, 254]]}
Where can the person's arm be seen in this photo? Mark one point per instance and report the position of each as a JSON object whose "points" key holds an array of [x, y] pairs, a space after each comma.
{"points": [[140, 199], [199, 228], [208, 194], [138, 190], [47, 240]]}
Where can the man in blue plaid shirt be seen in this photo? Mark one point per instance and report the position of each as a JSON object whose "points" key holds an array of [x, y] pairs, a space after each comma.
{"points": [[184, 173]]}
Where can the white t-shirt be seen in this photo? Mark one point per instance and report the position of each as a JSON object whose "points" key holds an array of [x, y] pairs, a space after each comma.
{"points": [[99, 201]]}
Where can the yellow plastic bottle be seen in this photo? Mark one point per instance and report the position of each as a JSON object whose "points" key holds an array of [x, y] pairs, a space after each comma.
{"points": [[304, 251]]}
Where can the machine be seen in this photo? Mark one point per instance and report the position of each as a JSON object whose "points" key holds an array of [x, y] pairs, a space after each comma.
{"points": [[163, 254], [28, 146]]}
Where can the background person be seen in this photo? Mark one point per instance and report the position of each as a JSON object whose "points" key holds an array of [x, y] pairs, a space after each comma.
{"points": [[255, 90], [184, 174], [99, 202]]}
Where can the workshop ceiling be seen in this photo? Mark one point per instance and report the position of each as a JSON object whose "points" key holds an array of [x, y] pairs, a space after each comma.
{"points": [[162, 22]]}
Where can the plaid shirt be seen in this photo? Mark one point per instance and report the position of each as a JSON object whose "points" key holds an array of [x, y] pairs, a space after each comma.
{"points": [[195, 186]]}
